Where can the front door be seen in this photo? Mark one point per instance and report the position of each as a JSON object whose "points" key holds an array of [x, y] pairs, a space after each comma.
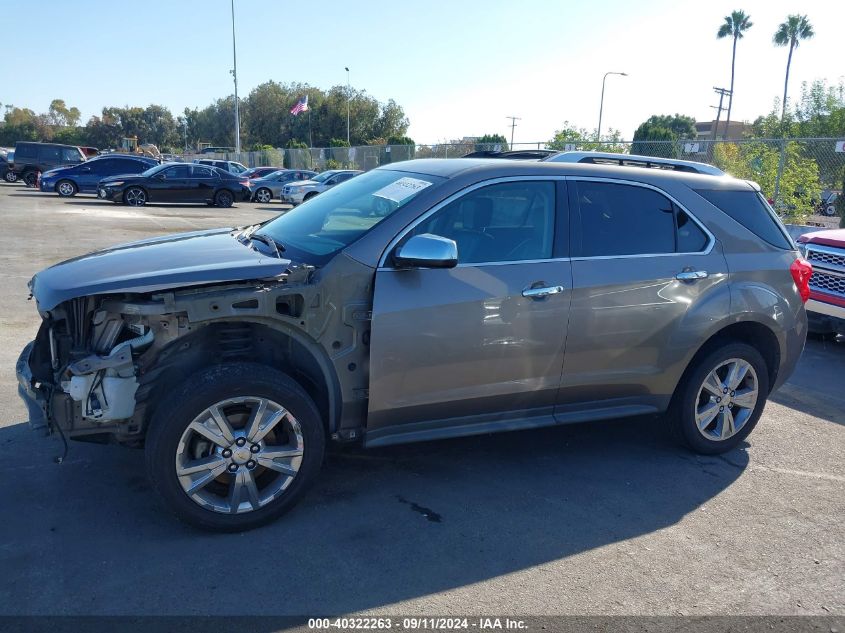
{"points": [[482, 343], [647, 277], [171, 185]]}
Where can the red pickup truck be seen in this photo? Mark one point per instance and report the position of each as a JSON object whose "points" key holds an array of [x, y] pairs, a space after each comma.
{"points": [[825, 250]]}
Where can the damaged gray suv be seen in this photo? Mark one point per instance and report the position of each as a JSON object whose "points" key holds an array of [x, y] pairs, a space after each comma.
{"points": [[423, 300]]}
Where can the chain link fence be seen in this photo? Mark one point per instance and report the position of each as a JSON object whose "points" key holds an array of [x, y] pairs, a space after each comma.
{"points": [[801, 176]]}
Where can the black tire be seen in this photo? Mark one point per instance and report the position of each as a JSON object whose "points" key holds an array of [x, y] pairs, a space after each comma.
{"points": [[29, 178], [308, 196], [224, 199], [66, 188], [176, 412], [135, 197], [264, 192], [681, 415], [11, 176]]}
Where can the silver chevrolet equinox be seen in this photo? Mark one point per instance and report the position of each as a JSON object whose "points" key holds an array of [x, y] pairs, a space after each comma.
{"points": [[422, 300]]}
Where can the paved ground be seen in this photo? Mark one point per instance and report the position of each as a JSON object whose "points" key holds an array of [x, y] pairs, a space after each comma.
{"points": [[601, 519]]}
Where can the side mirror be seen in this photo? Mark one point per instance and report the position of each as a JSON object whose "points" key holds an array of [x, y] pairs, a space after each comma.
{"points": [[427, 251]]}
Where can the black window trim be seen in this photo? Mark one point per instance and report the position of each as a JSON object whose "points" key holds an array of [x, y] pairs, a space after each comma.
{"points": [[576, 209], [561, 209]]}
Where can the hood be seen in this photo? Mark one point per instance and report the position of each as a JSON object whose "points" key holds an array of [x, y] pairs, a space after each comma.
{"points": [[173, 261], [59, 171], [302, 183], [833, 237]]}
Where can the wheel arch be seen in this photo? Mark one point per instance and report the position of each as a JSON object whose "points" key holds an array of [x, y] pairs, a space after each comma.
{"points": [[246, 340]]}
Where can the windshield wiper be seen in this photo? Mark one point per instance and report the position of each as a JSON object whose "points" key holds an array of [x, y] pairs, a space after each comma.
{"points": [[266, 239]]}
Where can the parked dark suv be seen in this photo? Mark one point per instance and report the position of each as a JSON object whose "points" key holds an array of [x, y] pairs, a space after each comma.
{"points": [[422, 300], [31, 158]]}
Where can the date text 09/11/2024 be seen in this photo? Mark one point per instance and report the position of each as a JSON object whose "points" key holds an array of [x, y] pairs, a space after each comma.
{"points": [[414, 624]]}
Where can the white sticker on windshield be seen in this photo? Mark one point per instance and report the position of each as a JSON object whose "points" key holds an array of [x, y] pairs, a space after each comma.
{"points": [[402, 189]]}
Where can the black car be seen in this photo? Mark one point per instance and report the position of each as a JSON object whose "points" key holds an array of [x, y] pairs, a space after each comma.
{"points": [[6, 171], [32, 158], [176, 182]]}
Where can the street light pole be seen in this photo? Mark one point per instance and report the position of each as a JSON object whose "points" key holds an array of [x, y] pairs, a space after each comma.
{"points": [[347, 103], [235, 77], [601, 104]]}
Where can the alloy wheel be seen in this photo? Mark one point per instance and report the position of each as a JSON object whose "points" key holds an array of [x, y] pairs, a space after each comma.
{"points": [[66, 188], [726, 399], [136, 197], [239, 454], [11, 176], [264, 196]]}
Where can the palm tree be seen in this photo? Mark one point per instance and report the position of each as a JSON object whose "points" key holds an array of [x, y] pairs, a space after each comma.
{"points": [[790, 33], [735, 25]]}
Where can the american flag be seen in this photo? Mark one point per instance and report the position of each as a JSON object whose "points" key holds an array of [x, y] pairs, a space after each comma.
{"points": [[300, 106]]}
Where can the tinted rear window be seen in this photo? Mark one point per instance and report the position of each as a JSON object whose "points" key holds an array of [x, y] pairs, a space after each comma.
{"points": [[747, 208]]}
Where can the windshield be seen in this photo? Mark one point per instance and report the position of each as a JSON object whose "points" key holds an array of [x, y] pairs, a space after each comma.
{"points": [[322, 226], [323, 176], [152, 171]]}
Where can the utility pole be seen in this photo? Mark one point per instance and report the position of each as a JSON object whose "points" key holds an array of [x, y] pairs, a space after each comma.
{"points": [[235, 77], [348, 96], [722, 92], [513, 119]]}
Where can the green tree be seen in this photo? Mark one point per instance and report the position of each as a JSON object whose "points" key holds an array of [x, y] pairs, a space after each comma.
{"points": [[60, 115], [734, 26], [659, 135], [488, 142], [800, 185], [790, 33], [583, 139]]}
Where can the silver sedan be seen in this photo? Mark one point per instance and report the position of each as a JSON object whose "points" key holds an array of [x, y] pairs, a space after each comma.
{"points": [[270, 186]]}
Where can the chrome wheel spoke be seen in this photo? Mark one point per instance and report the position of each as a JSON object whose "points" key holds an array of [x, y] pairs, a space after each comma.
{"points": [[201, 473], [263, 424], [747, 399], [273, 459], [243, 483], [727, 424], [713, 384], [706, 415], [736, 374], [222, 423]]}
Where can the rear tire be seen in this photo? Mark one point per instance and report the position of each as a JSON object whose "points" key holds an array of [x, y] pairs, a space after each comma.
{"points": [[66, 188], [11, 176], [217, 489], [224, 199], [29, 178], [712, 411], [264, 195]]}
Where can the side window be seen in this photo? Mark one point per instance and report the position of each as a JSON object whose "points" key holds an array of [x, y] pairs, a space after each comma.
{"points": [[198, 171], [49, 153], [27, 151], [620, 219], [342, 178], [176, 172], [71, 155], [103, 167], [506, 222]]}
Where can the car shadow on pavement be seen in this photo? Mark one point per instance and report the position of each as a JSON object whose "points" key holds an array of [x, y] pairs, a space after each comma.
{"points": [[378, 527]]}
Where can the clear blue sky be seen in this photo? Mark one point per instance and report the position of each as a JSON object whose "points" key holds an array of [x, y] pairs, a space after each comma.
{"points": [[458, 67]]}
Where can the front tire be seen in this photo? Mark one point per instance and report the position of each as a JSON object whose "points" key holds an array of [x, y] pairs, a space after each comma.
{"points": [[720, 399], [224, 199], [308, 196], [135, 197], [66, 188], [264, 196], [234, 447]]}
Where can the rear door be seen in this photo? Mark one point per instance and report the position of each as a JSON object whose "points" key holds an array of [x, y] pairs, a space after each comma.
{"points": [[478, 343], [203, 183], [643, 270]]}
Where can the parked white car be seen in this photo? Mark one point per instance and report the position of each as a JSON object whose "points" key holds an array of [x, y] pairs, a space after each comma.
{"points": [[298, 192]]}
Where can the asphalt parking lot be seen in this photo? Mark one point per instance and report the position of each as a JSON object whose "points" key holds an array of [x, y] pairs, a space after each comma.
{"points": [[604, 519]]}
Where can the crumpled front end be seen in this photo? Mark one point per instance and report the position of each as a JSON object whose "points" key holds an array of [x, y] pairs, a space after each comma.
{"points": [[79, 373]]}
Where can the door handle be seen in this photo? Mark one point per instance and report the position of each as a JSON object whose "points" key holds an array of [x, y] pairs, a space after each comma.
{"points": [[691, 275], [543, 291]]}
